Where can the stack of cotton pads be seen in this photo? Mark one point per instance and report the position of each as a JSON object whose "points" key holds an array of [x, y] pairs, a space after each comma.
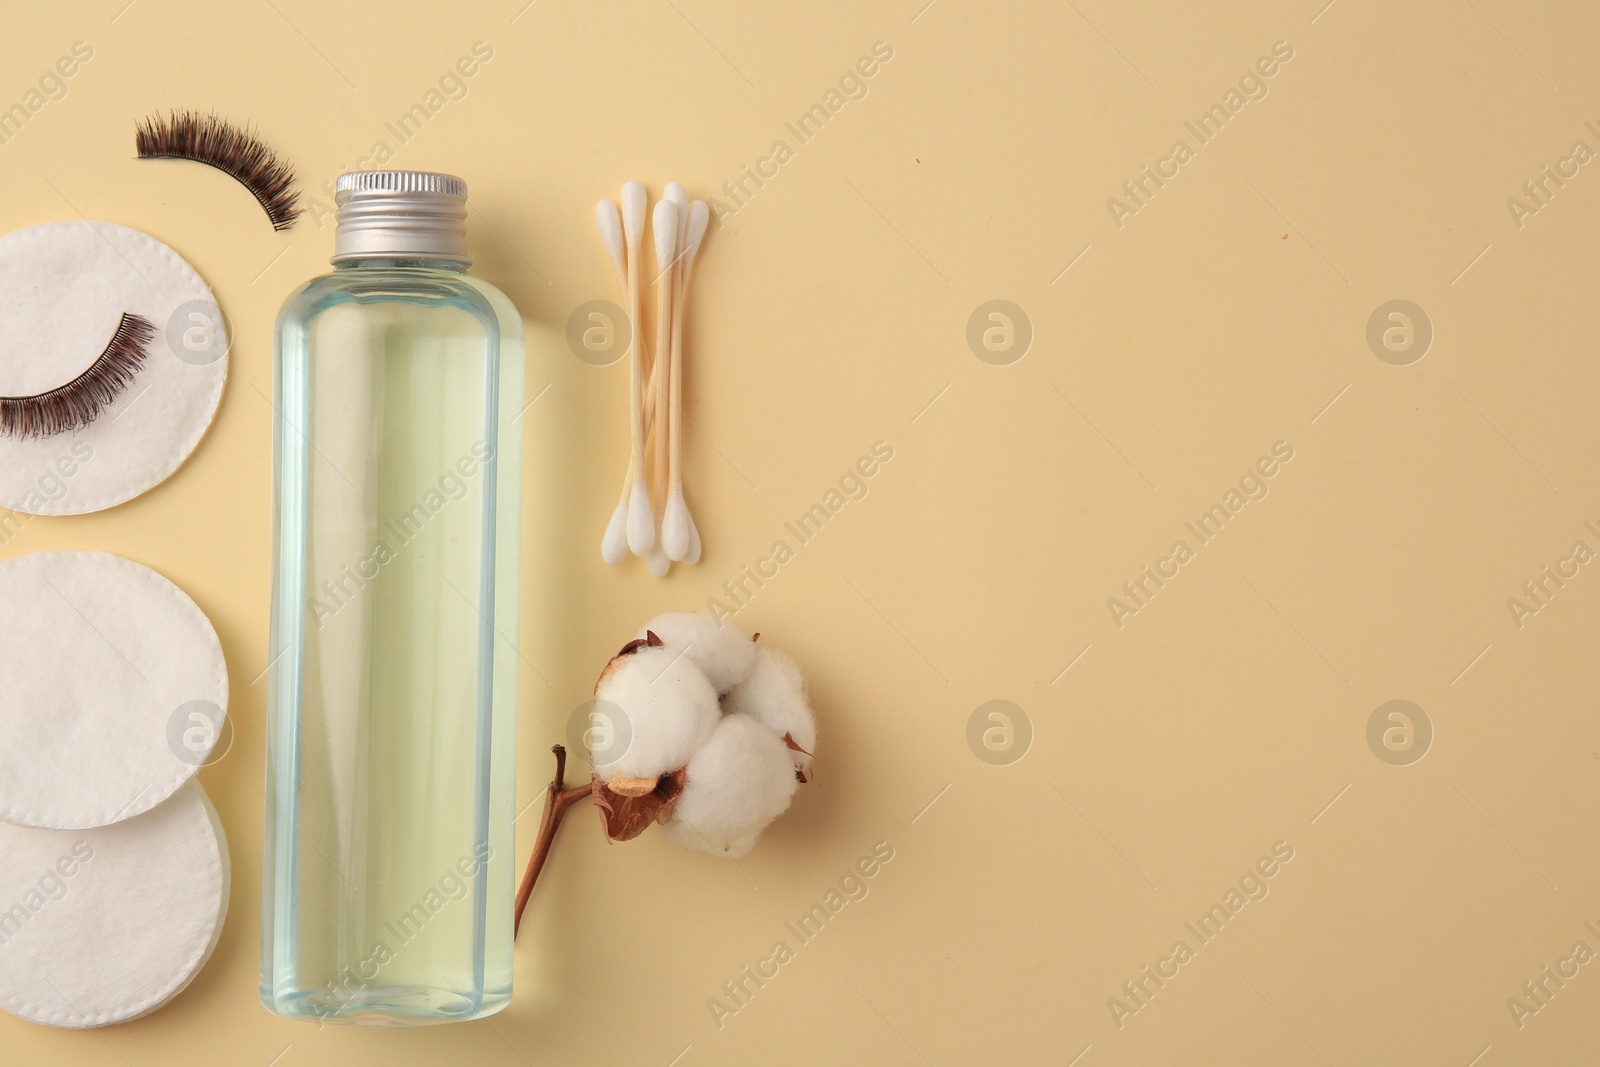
{"points": [[113, 864]]}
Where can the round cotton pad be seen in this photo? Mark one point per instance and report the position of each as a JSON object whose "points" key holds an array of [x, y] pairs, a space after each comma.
{"points": [[102, 926], [64, 287], [115, 689]]}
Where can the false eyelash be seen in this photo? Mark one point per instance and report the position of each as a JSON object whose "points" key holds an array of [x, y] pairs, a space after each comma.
{"points": [[238, 153], [79, 402]]}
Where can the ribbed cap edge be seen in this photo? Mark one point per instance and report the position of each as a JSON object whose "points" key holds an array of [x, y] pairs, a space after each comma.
{"points": [[400, 181]]}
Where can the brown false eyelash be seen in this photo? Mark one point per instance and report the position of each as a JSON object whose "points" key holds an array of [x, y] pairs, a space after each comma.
{"points": [[238, 153], [78, 403]]}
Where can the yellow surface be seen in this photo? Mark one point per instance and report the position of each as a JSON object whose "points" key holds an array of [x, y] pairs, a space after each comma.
{"points": [[1171, 753]]}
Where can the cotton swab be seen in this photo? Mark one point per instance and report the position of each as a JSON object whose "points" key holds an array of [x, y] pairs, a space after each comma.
{"points": [[666, 446], [664, 227], [641, 520], [677, 525], [652, 517], [675, 193], [614, 545]]}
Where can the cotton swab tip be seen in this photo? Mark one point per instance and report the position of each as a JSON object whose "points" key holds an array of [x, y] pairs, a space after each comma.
{"points": [[664, 224], [614, 545], [680, 200], [695, 230], [693, 555], [633, 207], [641, 521], [609, 221], [675, 526], [657, 562]]}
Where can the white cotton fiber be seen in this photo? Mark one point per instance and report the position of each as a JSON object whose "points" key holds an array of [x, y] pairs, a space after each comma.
{"points": [[675, 526], [664, 225], [666, 707], [634, 203], [692, 556], [736, 784], [723, 651], [641, 520], [609, 221], [614, 545], [774, 693], [656, 561]]}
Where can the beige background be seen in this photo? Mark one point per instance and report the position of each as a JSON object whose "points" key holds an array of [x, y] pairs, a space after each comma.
{"points": [[831, 312]]}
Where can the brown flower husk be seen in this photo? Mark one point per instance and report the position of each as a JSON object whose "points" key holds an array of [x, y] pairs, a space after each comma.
{"points": [[626, 817], [649, 640], [623, 817], [794, 746]]}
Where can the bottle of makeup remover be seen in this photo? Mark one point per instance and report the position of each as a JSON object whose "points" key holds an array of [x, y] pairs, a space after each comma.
{"points": [[392, 695]]}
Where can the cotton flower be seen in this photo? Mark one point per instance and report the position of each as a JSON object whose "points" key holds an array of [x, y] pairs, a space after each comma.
{"points": [[774, 693], [667, 711], [734, 786], [723, 651], [712, 773]]}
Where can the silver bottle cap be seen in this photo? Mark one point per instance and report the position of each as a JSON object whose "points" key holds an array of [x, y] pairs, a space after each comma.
{"points": [[401, 214]]}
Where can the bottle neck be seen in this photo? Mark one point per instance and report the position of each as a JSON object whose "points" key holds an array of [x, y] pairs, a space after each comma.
{"points": [[454, 266]]}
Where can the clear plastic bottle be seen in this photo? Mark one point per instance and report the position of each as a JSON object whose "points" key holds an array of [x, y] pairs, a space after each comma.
{"points": [[392, 695]]}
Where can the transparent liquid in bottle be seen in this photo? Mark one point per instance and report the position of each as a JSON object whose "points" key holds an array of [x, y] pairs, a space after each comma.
{"points": [[392, 696]]}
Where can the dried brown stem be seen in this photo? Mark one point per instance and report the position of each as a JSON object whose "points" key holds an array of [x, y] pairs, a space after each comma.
{"points": [[557, 799]]}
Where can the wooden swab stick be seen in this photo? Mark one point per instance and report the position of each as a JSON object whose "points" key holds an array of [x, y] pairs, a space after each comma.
{"points": [[614, 545], [673, 282], [680, 199], [678, 534], [665, 227], [641, 520], [664, 224]]}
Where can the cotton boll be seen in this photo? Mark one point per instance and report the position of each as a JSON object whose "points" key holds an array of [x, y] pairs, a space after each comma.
{"points": [[723, 651], [736, 784], [774, 693], [667, 707]]}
